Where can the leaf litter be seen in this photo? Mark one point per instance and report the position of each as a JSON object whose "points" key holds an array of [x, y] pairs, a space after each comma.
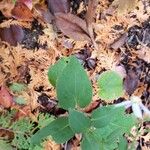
{"points": [[101, 40]]}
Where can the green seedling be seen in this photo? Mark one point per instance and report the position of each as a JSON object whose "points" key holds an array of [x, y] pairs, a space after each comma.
{"points": [[105, 127]]}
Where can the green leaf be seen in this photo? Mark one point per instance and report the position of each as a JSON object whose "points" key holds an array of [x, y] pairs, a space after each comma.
{"points": [[73, 86], [55, 70], [124, 123], [18, 87], [123, 144], [20, 100], [22, 133], [111, 85], [94, 141], [78, 122], [44, 120], [59, 129], [107, 137], [37, 147], [4, 145], [90, 142], [104, 115]]}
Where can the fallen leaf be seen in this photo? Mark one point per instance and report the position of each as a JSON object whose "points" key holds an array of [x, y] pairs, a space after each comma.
{"points": [[44, 14], [22, 112], [131, 82], [72, 26], [120, 70], [90, 18], [144, 54], [119, 42], [6, 7], [22, 12], [92, 106], [56, 6], [91, 11], [13, 35], [6, 99], [28, 3], [124, 6]]}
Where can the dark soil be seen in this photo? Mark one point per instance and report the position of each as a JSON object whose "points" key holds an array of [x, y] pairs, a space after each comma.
{"points": [[84, 56], [30, 40], [49, 105], [139, 35]]}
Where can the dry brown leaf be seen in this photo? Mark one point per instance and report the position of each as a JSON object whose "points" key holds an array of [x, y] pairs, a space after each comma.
{"points": [[91, 11], [28, 3], [131, 82], [72, 26], [6, 6], [51, 145], [144, 53], [44, 13], [6, 100], [125, 5], [92, 106], [119, 42], [90, 18], [22, 112], [22, 12], [12, 35], [56, 6]]}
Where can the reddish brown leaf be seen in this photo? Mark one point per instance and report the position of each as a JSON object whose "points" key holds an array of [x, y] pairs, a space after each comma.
{"points": [[22, 112], [13, 35], [72, 26], [6, 100], [28, 3], [56, 6], [92, 106], [22, 12], [131, 82]]}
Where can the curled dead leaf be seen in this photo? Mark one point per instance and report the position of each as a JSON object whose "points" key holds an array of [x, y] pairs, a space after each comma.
{"points": [[6, 99], [13, 35], [72, 26]]}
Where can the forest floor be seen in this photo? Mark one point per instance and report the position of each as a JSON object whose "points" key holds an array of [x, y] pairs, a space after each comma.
{"points": [[121, 38]]}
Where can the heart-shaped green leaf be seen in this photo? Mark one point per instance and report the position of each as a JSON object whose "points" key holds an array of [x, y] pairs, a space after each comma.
{"points": [[111, 85], [73, 86], [123, 144], [78, 122], [55, 70]]}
